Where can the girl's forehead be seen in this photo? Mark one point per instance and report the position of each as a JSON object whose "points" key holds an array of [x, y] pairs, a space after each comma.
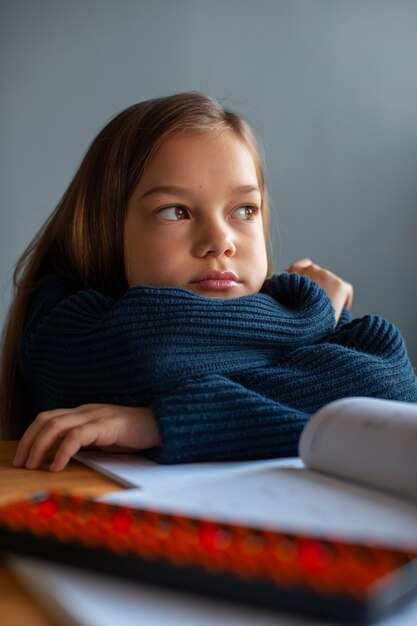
{"points": [[205, 140], [211, 151]]}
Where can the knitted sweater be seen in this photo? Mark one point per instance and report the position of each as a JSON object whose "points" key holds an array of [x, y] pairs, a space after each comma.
{"points": [[226, 378]]}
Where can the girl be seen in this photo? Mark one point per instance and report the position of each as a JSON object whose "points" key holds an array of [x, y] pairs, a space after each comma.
{"points": [[144, 319]]}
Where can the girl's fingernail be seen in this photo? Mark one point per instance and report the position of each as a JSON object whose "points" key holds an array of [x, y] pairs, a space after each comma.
{"points": [[17, 462]]}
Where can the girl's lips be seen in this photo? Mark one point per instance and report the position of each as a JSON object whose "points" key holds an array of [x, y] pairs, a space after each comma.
{"points": [[217, 281], [216, 284]]}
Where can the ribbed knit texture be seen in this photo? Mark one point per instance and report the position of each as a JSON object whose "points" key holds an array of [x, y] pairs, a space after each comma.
{"points": [[226, 379]]}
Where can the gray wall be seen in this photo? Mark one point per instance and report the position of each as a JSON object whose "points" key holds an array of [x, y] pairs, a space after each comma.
{"points": [[329, 85]]}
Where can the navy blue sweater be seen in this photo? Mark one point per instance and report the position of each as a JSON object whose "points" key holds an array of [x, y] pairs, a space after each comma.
{"points": [[226, 379]]}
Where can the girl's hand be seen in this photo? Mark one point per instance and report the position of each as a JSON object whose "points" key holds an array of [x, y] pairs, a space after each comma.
{"points": [[339, 291], [106, 426]]}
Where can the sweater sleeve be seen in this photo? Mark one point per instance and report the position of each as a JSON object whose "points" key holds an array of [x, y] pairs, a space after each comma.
{"points": [[77, 349], [214, 418], [263, 413], [88, 347], [226, 379]]}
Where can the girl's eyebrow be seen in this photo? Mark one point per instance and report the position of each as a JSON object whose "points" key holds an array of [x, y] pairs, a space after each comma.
{"points": [[172, 189]]}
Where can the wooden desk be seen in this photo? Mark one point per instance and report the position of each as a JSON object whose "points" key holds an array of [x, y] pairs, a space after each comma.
{"points": [[17, 607]]}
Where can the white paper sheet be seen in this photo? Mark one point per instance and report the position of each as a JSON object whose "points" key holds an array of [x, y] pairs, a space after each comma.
{"points": [[289, 497], [133, 470]]}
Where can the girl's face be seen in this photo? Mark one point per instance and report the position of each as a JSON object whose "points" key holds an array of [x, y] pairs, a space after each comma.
{"points": [[194, 219]]}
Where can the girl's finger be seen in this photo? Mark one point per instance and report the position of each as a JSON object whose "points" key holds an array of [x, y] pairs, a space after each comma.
{"points": [[42, 420], [349, 299], [95, 433], [29, 436], [300, 264], [53, 432]]}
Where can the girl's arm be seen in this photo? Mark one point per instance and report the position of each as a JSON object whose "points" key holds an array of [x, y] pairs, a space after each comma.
{"points": [[262, 413], [89, 346], [257, 414]]}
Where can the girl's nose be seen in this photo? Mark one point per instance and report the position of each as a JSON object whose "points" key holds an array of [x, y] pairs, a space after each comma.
{"points": [[214, 239]]}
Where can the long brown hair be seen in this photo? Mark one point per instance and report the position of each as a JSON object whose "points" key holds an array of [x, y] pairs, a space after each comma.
{"points": [[83, 238]]}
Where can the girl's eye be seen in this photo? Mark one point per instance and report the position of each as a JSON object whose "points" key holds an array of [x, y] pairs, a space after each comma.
{"points": [[246, 212], [173, 213]]}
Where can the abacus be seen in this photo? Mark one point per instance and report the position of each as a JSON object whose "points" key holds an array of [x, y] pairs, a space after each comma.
{"points": [[322, 577]]}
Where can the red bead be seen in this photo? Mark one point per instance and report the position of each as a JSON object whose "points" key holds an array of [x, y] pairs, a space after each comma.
{"points": [[122, 521], [47, 508], [207, 535]]}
